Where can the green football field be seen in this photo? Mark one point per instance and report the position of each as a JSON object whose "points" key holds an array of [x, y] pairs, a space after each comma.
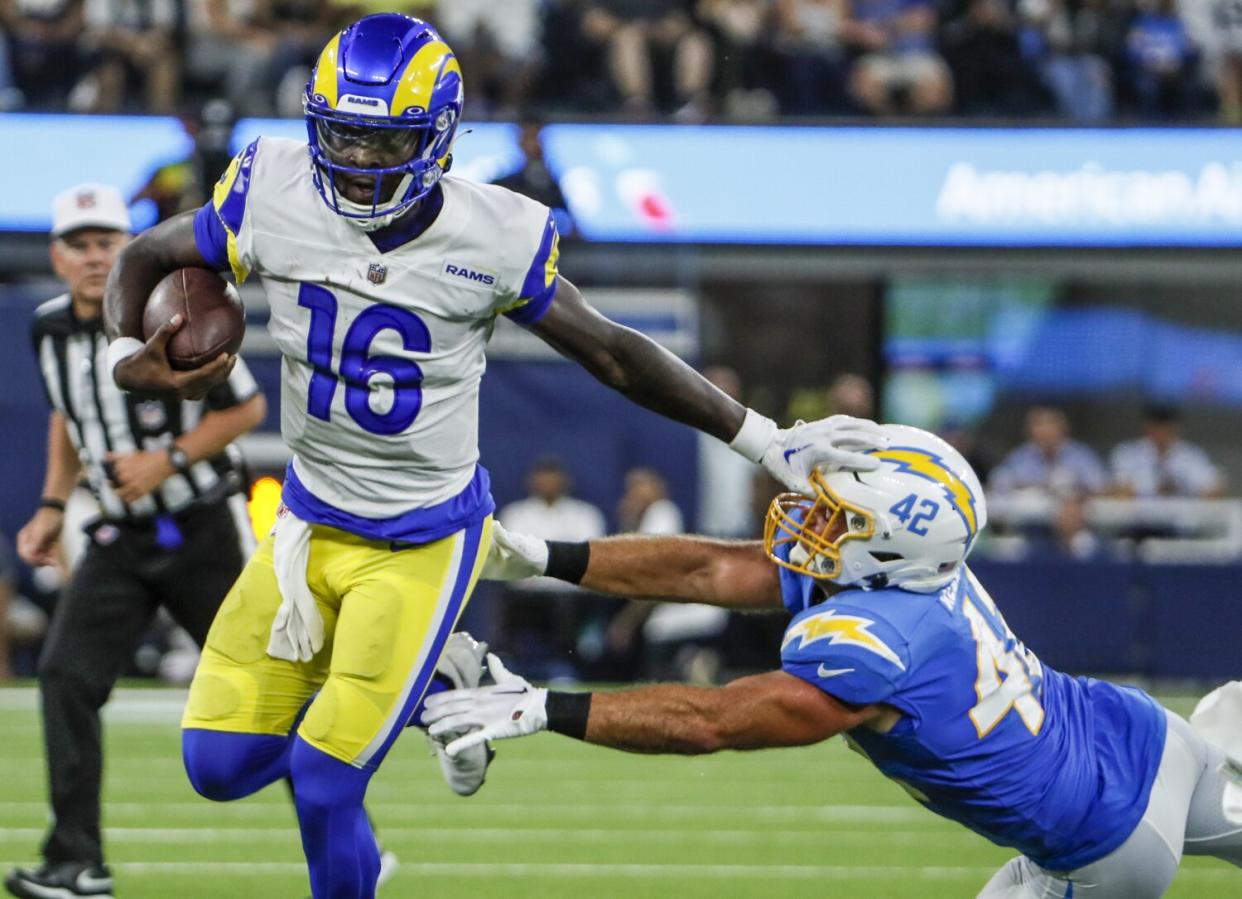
{"points": [[556, 819]]}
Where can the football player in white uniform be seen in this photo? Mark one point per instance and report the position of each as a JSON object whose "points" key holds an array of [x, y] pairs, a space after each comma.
{"points": [[385, 276]]}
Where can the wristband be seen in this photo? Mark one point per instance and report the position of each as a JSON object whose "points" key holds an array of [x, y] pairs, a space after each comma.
{"points": [[50, 502], [568, 713], [754, 436], [567, 561], [120, 350]]}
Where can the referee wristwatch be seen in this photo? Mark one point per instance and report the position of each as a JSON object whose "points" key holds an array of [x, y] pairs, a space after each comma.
{"points": [[179, 459]]}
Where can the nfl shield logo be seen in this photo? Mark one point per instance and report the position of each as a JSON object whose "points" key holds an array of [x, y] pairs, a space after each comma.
{"points": [[151, 415], [377, 273]]}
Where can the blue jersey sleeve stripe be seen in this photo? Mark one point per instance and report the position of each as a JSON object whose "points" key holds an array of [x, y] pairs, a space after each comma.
{"points": [[212, 239], [531, 311], [231, 202], [542, 272]]}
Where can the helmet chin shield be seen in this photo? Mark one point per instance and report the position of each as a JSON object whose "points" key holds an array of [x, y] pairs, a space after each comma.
{"points": [[382, 107]]}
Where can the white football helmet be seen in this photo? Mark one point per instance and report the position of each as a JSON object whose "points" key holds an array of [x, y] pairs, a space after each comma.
{"points": [[909, 524]]}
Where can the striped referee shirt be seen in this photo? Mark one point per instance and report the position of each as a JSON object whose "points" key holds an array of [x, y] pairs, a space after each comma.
{"points": [[103, 419]]}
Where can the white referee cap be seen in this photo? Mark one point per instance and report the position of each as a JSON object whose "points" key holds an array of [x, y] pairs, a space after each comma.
{"points": [[89, 206]]}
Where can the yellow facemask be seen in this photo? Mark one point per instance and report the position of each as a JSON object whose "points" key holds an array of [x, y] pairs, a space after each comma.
{"points": [[817, 526]]}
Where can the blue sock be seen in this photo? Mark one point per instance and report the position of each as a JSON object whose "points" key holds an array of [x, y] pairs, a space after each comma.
{"points": [[340, 847], [438, 685], [225, 766]]}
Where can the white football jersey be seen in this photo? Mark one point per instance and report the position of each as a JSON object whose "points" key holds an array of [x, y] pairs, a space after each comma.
{"points": [[382, 351]]}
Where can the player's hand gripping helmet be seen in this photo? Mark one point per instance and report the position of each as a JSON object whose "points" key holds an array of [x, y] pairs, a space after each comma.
{"points": [[382, 105], [910, 523]]}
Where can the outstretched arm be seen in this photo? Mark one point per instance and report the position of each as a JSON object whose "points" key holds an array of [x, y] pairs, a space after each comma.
{"points": [[733, 574], [760, 712], [636, 365], [651, 376], [139, 365]]}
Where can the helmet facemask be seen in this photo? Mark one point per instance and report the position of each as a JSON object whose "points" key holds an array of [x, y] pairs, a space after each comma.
{"points": [[410, 155], [817, 526]]}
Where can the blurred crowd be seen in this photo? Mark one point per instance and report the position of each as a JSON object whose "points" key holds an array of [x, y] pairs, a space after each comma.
{"points": [[692, 60]]}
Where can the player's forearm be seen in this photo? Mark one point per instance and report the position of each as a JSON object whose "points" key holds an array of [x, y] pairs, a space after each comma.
{"points": [[664, 718], [141, 265], [216, 430], [651, 376], [725, 573]]}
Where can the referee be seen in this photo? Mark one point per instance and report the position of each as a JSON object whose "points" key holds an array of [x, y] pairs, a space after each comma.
{"points": [[171, 530]]}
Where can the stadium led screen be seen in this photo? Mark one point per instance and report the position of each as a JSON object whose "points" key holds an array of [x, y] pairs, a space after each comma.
{"points": [[781, 185], [902, 186]]}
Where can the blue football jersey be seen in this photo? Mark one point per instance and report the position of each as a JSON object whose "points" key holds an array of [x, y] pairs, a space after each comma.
{"points": [[1058, 767]]}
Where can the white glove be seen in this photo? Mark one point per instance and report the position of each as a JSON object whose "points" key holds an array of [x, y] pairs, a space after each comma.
{"points": [[514, 556], [512, 708], [837, 443], [297, 630]]}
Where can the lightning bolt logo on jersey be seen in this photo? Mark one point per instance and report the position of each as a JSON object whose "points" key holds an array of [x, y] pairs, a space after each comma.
{"points": [[1058, 767]]}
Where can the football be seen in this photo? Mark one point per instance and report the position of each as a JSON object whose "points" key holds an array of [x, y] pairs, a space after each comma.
{"points": [[215, 319]]}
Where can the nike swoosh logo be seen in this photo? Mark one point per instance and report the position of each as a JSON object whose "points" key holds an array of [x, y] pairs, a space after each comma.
{"points": [[832, 672], [795, 450]]}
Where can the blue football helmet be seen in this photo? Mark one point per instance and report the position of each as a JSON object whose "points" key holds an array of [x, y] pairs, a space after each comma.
{"points": [[382, 106]]}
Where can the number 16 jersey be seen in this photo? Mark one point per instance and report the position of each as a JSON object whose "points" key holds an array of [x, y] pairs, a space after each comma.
{"points": [[382, 335]]}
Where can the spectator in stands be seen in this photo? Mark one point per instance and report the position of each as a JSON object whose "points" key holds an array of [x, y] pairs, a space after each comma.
{"points": [[1161, 463], [48, 55], [741, 74], [1215, 27], [497, 44], [1163, 62], [134, 37], [302, 28], [811, 39], [645, 507], [549, 511], [900, 70], [1070, 47], [1050, 461], [538, 618], [234, 49], [851, 394], [535, 180], [574, 71], [658, 57], [990, 76]]}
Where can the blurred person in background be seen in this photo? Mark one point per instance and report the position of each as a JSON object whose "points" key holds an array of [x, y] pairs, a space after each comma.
{"points": [[573, 73], [170, 530], [1215, 27], [1161, 463], [644, 507], [990, 76], [534, 179], [301, 28], [900, 70], [1163, 62], [851, 394], [1049, 461], [186, 183], [537, 617], [134, 39], [811, 39], [229, 51], [738, 30], [658, 57], [498, 43], [1070, 46], [48, 55]]}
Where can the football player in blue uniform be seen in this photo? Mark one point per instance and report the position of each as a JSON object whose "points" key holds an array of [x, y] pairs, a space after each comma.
{"points": [[895, 644]]}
